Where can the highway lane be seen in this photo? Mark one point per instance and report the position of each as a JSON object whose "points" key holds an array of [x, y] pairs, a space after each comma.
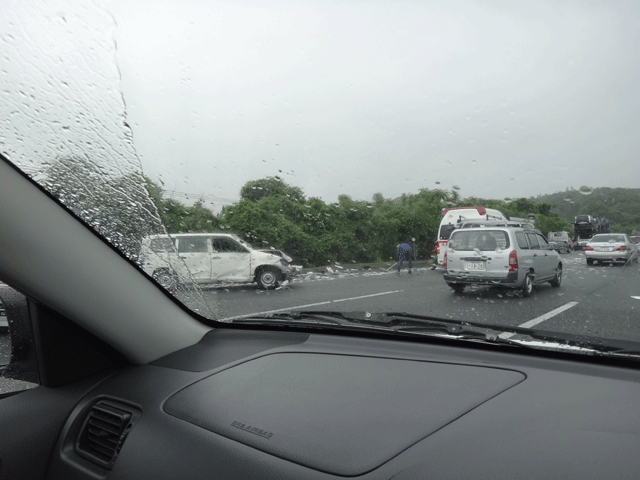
{"points": [[593, 300]]}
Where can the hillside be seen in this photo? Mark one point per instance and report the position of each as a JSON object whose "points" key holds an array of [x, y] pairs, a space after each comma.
{"points": [[619, 205]]}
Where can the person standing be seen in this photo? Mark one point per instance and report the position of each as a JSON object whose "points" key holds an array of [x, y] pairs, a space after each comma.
{"points": [[404, 252]]}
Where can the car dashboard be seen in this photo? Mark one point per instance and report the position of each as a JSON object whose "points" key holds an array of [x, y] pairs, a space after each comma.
{"points": [[270, 404]]}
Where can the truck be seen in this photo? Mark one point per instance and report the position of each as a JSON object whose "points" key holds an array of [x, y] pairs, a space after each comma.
{"points": [[584, 228]]}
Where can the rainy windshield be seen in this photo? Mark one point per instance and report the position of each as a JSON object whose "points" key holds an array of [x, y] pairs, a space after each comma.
{"points": [[259, 157]]}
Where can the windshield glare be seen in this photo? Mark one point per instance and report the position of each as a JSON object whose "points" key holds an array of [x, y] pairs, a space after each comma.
{"points": [[337, 137]]}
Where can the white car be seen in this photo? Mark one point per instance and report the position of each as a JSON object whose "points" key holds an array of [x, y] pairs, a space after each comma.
{"points": [[560, 241], [211, 258], [611, 247]]}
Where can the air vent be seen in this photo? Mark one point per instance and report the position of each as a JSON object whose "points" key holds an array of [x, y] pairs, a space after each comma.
{"points": [[104, 432]]}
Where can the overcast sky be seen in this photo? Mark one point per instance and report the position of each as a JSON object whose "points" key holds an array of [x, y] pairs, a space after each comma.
{"points": [[499, 98]]}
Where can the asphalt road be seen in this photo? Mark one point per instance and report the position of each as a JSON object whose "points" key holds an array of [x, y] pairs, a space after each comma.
{"points": [[600, 300]]}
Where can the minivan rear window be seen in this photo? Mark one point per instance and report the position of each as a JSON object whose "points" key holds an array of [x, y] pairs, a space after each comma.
{"points": [[533, 241], [485, 240], [522, 241]]}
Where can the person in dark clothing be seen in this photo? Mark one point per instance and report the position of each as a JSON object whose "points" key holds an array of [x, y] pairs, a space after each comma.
{"points": [[404, 252]]}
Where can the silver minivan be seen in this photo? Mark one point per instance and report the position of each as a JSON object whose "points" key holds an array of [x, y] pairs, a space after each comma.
{"points": [[212, 258], [501, 256]]}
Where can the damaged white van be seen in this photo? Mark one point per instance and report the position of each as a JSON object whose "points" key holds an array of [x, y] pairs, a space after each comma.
{"points": [[212, 258]]}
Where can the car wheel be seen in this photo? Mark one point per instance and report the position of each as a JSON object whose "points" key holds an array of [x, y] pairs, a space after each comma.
{"points": [[268, 278], [557, 280], [527, 286], [166, 279], [589, 261]]}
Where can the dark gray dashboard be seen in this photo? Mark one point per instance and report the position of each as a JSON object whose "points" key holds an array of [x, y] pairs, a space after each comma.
{"points": [[247, 404]]}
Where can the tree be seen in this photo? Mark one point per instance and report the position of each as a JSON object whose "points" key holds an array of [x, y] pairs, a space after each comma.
{"points": [[270, 186]]}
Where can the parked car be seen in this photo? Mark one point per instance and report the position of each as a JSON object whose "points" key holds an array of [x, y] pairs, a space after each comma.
{"points": [[611, 247], [507, 256], [212, 258], [560, 241]]}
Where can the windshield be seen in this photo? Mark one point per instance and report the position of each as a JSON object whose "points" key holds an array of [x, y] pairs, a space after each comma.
{"points": [[338, 134]]}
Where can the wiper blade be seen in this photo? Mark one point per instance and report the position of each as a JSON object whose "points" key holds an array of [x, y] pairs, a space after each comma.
{"points": [[400, 323], [413, 324]]}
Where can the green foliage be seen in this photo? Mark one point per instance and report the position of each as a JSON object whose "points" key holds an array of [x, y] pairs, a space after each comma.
{"points": [[272, 213], [270, 187], [179, 218], [618, 205], [553, 223]]}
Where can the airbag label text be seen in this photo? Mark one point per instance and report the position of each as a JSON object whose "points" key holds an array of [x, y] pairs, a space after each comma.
{"points": [[255, 430]]}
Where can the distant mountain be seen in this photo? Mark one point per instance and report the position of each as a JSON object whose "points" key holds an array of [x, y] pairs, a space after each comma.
{"points": [[620, 205]]}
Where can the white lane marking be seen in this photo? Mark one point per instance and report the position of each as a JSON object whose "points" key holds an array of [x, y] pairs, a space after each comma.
{"points": [[637, 298], [227, 319], [541, 318]]}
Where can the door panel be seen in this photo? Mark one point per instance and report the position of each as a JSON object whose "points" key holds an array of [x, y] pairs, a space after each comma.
{"points": [[230, 261], [549, 257], [195, 253]]}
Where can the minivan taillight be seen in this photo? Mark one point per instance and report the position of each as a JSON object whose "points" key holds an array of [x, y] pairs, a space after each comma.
{"points": [[621, 248], [513, 261], [588, 249], [444, 263]]}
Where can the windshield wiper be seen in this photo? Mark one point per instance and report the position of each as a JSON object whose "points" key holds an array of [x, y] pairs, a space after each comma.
{"points": [[398, 323], [412, 324]]}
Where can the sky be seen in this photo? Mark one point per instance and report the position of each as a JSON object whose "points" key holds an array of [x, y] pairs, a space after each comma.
{"points": [[496, 99]]}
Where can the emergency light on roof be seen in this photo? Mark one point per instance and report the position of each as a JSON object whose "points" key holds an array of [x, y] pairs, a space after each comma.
{"points": [[481, 210]]}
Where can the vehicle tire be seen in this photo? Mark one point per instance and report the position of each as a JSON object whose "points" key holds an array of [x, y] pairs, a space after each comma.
{"points": [[167, 280], [457, 288], [589, 261], [527, 286], [557, 280], [268, 278]]}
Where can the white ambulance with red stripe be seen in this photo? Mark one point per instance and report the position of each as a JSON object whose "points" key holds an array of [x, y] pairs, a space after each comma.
{"points": [[456, 216]]}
